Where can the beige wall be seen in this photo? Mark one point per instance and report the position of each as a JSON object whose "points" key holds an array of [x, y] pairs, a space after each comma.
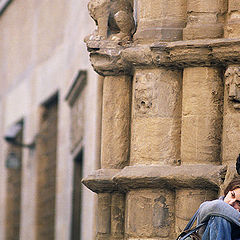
{"points": [[41, 51]]}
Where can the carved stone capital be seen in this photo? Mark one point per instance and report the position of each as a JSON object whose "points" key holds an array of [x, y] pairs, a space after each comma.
{"points": [[105, 57], [112, 58], [135, 177], [232, 81]]}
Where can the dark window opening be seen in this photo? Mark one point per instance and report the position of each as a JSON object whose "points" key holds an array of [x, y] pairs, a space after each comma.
{"points": [[76, 200]]}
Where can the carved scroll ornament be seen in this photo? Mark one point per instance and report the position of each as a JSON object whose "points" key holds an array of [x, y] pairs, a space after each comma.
{"points": [[232, 81]]}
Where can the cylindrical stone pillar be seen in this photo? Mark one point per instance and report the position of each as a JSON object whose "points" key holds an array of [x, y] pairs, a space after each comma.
{"points": [[156, 121], [160, 19], [117, 216], [203, 19], [201, 107], [202, 115], [104, 216], [202, 90], [156, 117], [116, 115], [231, 122]]}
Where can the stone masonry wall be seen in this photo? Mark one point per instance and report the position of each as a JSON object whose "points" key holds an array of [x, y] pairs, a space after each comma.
{"points": [[182, 70]]}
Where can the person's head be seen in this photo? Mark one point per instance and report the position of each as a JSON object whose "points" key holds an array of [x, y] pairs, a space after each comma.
{"points": [[232, 194]]}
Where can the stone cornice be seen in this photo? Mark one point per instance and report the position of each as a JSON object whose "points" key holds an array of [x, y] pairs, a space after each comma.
{"points": [[172, 177], [110, 58]]}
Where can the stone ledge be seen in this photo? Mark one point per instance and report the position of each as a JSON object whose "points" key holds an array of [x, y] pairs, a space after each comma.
{"points": [[110, 58], [101, 180], [205, 52], [155, 176]]}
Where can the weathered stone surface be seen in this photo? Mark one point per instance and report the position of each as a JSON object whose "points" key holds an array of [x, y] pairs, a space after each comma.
{"points": [[104, 216], [110, 222], [232, 26], [232, 82], [101, 180], [191, 176], [231, 133], [114, 19], [203, 20], [202, 52], [116, 122], [157, 21], [109, 58], [117, 216], [177, 144], [187, 202], [150, 214], [105, 58], [156, 116], [231, 123], [202, 107], [155, 176]]}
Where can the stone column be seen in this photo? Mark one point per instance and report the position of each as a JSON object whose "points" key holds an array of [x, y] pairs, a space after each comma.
{"points": [[156, 117], [116, 122], [201, 107], [202, 115], [156, 122], [110, 216], [203, 19], [231, 123], [114, 152], [160, 19]]}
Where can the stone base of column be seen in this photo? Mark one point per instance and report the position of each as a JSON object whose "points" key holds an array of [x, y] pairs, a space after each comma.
{"points": [[163, 34], [205, 31]]}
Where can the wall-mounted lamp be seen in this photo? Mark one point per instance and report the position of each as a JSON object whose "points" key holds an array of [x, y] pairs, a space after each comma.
{"points": [[12, 133], [13, 161]]}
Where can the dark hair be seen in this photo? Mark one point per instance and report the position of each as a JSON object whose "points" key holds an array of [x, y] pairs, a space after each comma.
{"points": [[235, 183]]}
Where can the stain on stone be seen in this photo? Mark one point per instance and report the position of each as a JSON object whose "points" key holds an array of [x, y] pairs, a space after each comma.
{"points": [[160, 212]]}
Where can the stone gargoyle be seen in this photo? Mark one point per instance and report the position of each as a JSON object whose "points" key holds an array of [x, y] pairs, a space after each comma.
{"points": [[114, 20], [232, 81]]}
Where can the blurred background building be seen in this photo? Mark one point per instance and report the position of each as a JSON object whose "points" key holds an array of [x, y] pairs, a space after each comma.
{"points": [[49, 99]]}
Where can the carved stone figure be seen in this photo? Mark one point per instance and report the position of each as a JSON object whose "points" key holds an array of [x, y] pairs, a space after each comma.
{"points": [[232, 81], [114, 19]]}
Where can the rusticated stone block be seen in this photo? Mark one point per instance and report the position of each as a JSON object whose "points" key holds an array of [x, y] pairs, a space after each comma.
{"points": [[150, 213]]}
